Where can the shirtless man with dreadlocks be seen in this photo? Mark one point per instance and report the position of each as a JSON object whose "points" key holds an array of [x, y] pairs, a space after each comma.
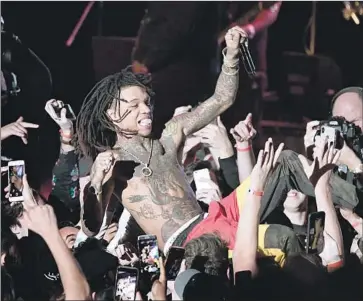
{"points": [[114, 126]]}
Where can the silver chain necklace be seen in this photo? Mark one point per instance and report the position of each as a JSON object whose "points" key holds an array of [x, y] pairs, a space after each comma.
{"points": [[146, 170]]}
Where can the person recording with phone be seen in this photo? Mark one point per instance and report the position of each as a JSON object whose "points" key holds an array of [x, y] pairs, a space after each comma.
{"points": [[65, 179], [16, 180]]}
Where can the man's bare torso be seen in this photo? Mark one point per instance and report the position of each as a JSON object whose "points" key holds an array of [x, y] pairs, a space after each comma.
{"points": [[163, 202]]}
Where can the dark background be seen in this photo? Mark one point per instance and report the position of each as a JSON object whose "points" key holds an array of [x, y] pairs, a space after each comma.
{"points": [[45, 26]]}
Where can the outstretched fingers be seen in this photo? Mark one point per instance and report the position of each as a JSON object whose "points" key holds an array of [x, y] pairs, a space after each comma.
{"points": [[278, 153]]}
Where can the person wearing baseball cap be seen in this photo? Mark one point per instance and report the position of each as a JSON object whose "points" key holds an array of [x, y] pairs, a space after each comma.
{"points": [[193, 285]]}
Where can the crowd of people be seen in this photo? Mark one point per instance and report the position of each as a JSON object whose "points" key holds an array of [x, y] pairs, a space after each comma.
{"points": [[266, 224]]}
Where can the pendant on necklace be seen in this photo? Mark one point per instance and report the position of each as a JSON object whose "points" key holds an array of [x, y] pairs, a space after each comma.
{"points": [[146, 171]]}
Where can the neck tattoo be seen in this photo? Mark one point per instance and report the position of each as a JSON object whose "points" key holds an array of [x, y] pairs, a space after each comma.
{"points": [[146, 170]]}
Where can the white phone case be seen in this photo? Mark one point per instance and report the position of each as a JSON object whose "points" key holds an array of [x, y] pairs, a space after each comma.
{"points": [[202, 179], [11, 164]]}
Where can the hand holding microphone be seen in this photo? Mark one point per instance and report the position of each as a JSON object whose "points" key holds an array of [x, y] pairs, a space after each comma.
{"points": [[246, 55], [239, 42]]}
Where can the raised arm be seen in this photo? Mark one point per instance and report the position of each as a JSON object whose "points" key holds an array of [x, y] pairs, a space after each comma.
{"points": [[224, 95], [98, 194], [42, 220]]}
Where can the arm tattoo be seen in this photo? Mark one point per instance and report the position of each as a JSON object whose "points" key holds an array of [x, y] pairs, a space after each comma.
{"points": [[172, 135], [137, 198], [146, 211], [223, 97]]}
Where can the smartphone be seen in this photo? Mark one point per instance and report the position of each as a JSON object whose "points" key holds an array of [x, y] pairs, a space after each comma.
{"points": [[315, 231], [202, 178], [330, 134], [59, 105], [173, 262], [126, 283], [149, 254], [70, 114], [16, 171]]}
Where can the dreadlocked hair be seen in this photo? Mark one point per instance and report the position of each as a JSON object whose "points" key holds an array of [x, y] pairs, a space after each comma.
{"points": [[95, 131]]}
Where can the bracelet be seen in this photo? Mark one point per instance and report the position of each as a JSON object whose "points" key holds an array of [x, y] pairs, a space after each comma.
{"points": [[256, 193], [227, 73], [356, 224], [65, 135], [335, 265], [228, 62], [245, 149]]}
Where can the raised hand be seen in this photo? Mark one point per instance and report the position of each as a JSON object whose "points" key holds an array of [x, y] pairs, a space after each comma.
{"points": [[41, 220], [158, 289], [62, 121], [17, 128], [29, 199], [266, 162], [110, 232], [348, 157], [325, 159], [209, 195], [353, 219], [244, 130], [311, 129], [101, 170], [234, 37], [216, 137], [182, 110], [126, 254]]}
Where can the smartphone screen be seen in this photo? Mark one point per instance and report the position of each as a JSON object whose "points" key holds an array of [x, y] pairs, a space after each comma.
{"points": [[202, 179], [173, 262], [126, 283], [70, 114], [149, 254], [316, 223], [16, 171]]}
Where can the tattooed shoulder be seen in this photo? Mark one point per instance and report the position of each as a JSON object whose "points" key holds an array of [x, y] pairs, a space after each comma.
{"points": [[172, 135]]}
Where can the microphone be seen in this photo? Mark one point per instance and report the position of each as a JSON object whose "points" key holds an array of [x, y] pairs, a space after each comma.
{"points": [[247, 59]]}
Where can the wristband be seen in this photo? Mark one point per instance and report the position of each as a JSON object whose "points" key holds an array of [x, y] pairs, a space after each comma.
{"points": [[229, 73], [244, 149], [356, 224], [230, 63], [255, 193], [65, 135], [335, 265]]}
